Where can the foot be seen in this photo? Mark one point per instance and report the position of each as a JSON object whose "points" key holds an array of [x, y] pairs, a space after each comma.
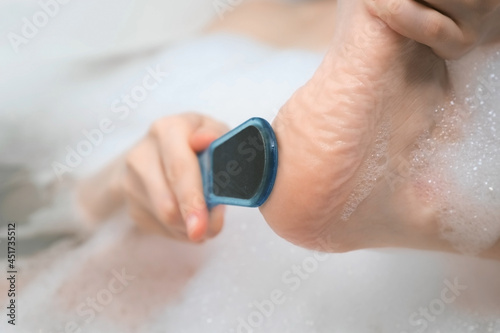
{"points": [[346, 139]]}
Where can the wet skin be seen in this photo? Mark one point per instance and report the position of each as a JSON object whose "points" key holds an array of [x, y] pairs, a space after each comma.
{"points": [[371, 78]]}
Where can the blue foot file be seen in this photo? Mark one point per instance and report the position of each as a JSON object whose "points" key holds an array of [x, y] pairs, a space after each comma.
{"points": [[240, 167]]}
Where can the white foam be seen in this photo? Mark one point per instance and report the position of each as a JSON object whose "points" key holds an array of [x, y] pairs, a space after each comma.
{"points": [[458, 165], [371, 171]]}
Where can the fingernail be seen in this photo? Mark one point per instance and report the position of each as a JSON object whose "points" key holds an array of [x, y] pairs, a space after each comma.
{"points": [[191, 223]]}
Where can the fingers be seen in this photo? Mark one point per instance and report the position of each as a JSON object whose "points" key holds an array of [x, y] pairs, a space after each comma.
{"points": [[216, 221], [478, 19], [147, 222], [162, 183], [424, 24], [464, 8], [181, 168], [206, 134], [184, 178], [146, 183]]}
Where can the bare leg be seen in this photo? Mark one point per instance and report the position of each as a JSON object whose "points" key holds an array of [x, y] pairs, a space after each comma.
{"points": [[306, 25]]}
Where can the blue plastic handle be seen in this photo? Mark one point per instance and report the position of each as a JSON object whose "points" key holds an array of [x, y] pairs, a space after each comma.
{"points": [[240, 167]]}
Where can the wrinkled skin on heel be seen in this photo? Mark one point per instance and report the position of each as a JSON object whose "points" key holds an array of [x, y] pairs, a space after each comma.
{"points": [[372, 86]]}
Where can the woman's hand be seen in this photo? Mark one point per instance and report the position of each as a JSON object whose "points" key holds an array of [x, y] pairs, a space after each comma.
{"points": [[450, 27], [159, 181], [162, 182]]}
